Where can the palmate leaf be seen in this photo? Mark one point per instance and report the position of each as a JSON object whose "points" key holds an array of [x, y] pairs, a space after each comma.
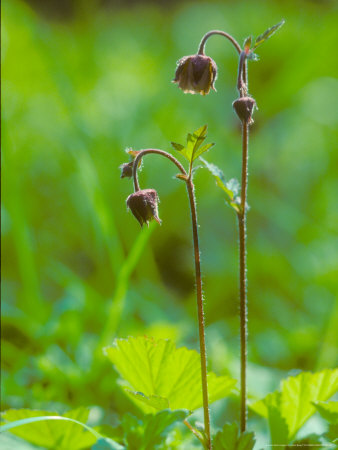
{"points": [[230, 188], [293, 404], [193, 148], [160, 374], [230, 438], [50, 430], [267, 34]]}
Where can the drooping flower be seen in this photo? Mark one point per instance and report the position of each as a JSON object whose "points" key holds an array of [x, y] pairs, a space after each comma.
{"points": [[196, 74], [244, 107], [127, 169], [144, 205]]}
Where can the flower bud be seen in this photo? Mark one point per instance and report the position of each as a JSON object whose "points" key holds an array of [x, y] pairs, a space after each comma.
{"points": [[127, 170], [144, 205], [244, 107], [196, 74]]}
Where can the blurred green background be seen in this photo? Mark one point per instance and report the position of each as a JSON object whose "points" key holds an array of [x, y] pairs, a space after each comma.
{"points": [[81, 81]]}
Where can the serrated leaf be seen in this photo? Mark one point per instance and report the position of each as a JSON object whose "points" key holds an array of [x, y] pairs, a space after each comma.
{"points": [[231, 439], [157, 368], [153, 400], [294, 402], [267, 34], [194, 141], [230, 188], [50, 430], [247, 44], [202, 150], [328, 410]]}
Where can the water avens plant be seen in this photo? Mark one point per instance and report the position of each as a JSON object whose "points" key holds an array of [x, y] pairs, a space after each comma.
{"points": [[196, 74], [143, 203]]}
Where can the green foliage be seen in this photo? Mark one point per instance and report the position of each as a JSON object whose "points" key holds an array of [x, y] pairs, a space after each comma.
{"points": [[328, 410], [288, 409], [267, 34], [48, 429], [193, 148], [162, 375], [144, 434], [230, 438], [230, 188]]}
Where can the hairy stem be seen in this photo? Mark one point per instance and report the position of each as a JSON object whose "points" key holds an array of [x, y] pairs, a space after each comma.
{"points": [[201, 324], [199, 295], [242, 274], [241, 77], [158, 152], [221, 33], [195, 432]]}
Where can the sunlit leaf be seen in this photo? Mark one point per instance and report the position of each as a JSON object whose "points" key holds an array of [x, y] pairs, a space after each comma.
{"points": [[155, 401], [156, 368], [193, 148], [267, 34], [230, 188], [230, 438], [328, 410], [50, 430], [202, 150], [293, 404]]}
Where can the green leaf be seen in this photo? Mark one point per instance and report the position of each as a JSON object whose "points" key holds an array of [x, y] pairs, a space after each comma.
{"points": [[49, 430], [148, 433], [328, 410], [267, 34], [155, 401], [193, 148], [230, 188], [231, 439], [202, 150], [178, 147], [293, 404], [158, 370]]}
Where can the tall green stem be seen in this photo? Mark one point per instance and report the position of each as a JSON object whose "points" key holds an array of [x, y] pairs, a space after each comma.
{"points": [[199, 295]]}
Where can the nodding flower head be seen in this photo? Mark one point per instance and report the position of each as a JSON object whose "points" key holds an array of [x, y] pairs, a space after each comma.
{"points": [[196, 74], [144, 205], [127, 169], [244, 108]]}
